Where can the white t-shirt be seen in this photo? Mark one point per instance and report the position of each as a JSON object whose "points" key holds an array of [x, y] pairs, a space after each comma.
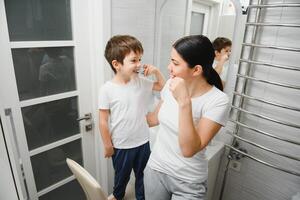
{"points": [[128, 105], [223, 74], [166, 155]]}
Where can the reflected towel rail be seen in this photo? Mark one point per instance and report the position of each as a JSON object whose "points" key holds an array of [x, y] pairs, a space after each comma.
{"points": [[271, 47], [263, 162], [263, 147], [266, 117], [270, 82], [267, 102], [270, 64]]}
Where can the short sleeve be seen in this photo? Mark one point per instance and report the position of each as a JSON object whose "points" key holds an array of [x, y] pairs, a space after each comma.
{"points": [[103, 101], [217, 111]]}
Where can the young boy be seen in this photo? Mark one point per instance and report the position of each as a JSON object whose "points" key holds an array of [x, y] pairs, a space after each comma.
{"points": [[222, 48], [123, 106]]}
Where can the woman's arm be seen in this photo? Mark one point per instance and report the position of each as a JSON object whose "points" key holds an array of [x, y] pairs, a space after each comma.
{"points": [[160, 81], [152, 117], [105, 134], [193, 139]]}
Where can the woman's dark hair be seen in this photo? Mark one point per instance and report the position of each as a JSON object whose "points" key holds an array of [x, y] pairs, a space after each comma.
{"points": [[198, 50]]}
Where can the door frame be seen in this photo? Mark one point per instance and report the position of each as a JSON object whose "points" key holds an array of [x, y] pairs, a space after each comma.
{"points": [[213, 22], [9, 186]]}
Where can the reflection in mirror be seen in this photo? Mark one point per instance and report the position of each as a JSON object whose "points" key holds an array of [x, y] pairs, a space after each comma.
{"points": [[49, 122], [43, 71]]}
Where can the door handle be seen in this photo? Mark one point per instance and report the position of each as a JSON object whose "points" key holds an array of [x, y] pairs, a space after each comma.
{"points": [[86, 117]]}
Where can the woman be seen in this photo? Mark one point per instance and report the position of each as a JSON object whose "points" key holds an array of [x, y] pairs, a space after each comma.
{"points": [[192, 111]]}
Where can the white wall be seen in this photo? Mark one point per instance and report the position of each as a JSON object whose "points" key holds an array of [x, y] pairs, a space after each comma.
{"points": [[171, 26], [134, 18]]}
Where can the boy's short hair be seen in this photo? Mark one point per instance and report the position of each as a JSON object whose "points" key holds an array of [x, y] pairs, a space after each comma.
{"points": [[221, 42], [119, 46]]}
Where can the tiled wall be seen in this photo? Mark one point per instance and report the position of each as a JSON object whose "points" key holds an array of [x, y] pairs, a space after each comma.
{"points": [[155, 23], [137, 18]]}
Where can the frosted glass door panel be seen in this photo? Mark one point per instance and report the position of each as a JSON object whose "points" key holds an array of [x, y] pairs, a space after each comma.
{"points": [[44, 71], [36, 20], [197, 22], [49, 122], [71, 190], [50, 167]]}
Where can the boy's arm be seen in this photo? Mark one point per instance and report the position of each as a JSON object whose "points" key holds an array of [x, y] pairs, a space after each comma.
{"points": [[160, 80], [219, 66], [105, 134], [152, 117]]}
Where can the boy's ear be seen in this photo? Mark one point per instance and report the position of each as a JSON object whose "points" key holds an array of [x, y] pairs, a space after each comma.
{"points": [[115, 64], [197, 70], [216, 52]]}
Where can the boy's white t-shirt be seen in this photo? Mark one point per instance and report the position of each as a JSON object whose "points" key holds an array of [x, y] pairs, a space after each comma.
{"points": [[223, 74], [166, 155], [128, 105]]}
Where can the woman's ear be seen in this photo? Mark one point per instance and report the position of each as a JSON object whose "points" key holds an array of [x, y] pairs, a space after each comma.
{"points": [[115, 64], [197, 70]]}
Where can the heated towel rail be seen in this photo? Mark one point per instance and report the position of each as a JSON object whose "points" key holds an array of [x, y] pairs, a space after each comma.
{"points": [[241, 94]]}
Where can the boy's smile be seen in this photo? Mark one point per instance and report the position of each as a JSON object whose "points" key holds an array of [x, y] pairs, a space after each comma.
{"points": [[130, 67]]}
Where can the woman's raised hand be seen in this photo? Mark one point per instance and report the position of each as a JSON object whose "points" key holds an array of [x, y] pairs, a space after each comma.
{"points": [[179, 90]]}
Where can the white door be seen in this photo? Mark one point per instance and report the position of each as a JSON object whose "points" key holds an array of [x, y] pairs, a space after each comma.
{"points": [[199, 18], [45, 88]]}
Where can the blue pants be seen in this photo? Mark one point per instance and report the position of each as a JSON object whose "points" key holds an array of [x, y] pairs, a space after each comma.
{"points": [[124, 160]]}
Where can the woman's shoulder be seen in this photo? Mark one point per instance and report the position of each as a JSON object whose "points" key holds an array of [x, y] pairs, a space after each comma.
{"points": [[214, 96], [219, 92], [220, 95]]}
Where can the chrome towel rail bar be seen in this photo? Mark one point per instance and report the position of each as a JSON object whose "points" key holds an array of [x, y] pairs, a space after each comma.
{"points": [[266, 117], [270, 82], [263, 162], [263, 147], [273, 24], [271, 47], [267, 102], [265, 133], [270, 64]]}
